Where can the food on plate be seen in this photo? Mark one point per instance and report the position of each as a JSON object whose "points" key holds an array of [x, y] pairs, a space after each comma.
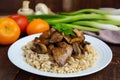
{"points": [[21, 20], [37, 26], [9, 31], [56, 52]]}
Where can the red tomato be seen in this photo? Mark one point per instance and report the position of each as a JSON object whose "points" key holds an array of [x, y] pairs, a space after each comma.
{"points": [[21, 20]]}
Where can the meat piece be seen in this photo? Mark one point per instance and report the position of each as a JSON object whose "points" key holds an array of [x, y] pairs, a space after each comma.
{"points": [[62, 44], [45, 41], [62, 54], [56, 37], [50, 47], [45, 35]]}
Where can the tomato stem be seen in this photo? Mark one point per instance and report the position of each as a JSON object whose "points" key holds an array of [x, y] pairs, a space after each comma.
{"points": [[7, 29]]}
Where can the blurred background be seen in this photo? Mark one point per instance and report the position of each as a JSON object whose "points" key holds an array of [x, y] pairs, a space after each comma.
{"points": [[11, 6]]}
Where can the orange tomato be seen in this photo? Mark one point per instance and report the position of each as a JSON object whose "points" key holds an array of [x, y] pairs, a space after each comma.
{"points": [[9, 31], [37, 26]]}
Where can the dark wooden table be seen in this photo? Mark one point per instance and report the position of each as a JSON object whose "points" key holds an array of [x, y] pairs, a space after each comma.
{"points": [[8, 71]]}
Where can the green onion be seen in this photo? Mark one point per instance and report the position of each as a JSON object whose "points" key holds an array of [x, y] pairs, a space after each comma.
{"points": [[67, 19], [44, 16], [114, 22], [97, 25], [83, 11], [113, 17]]}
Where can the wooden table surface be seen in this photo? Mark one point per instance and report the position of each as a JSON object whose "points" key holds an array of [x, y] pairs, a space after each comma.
{"points": [[8, 71]]}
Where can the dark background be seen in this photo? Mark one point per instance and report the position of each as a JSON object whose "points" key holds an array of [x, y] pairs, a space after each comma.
{"points": [[11, 6]]}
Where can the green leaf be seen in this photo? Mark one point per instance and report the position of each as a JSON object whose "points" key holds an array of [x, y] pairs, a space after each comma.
{"points": [[66, 30]]}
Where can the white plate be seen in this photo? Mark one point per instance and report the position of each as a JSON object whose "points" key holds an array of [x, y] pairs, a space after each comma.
{"points": [[16, 57]]}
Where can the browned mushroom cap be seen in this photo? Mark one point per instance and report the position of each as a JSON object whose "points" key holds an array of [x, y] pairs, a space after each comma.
{"points": [[39, 48], [36, 40], [67, 38], [43, 48], [79, 34], [76, 39]]}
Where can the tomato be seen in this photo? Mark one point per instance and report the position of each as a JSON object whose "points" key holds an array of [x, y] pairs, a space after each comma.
{"points": [[21, 20], [9, 31], [37, 26]]}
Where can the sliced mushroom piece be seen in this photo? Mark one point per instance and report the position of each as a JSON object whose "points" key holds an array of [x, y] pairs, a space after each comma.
{"points": [[76, 39], [86, 43], [82, 49], [67, 38], [40, 48], [43, 48], [76, 49], [36, 40], [79, 34], [34, 49], [85, 46]]}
